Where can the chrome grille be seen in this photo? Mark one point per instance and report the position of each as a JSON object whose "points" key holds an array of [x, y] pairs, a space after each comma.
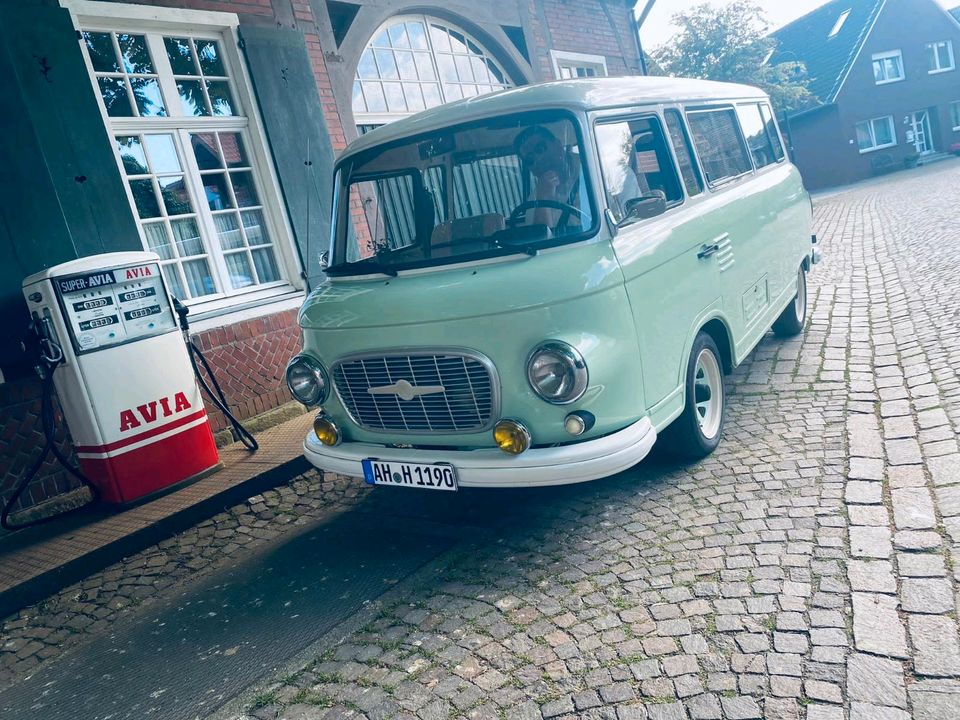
{"points": [[466, 403]]}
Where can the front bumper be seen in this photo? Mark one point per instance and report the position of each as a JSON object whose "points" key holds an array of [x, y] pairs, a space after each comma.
{"points": [[490, 467]]}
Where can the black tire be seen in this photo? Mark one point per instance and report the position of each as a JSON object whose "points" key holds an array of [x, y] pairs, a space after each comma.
{"points": [[685, 437], [794, 315]]}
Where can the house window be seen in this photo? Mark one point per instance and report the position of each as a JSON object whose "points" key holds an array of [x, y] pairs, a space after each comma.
{"points": [[716, 135], [887, 67], [939, 56], [875, 134], [569, 65], [839, 23], [178, 112], [416, 62], [955, 114]]}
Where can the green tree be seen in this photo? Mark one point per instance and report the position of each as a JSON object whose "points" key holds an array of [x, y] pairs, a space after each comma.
{"points": [[731, 44]]}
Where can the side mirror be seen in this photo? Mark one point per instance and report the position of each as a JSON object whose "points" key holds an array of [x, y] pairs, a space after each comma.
{"points": [[645, 206], [324, 260]]}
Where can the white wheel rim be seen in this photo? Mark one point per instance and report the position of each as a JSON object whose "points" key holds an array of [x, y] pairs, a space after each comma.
{"points": [[800, 301], [708, 393]]}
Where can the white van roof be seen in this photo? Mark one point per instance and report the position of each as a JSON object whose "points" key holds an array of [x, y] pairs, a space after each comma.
{"points": [[580, 94]]}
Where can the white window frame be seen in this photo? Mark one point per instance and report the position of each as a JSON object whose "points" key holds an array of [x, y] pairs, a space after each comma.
{"points": [[932, 47], [114, 17], [954, 109], [873, 136], [883, 56], [387, 116], [564, 57]]}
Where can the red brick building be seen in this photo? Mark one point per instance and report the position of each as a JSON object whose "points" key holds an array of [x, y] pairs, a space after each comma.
{"points": [[206, 130]]}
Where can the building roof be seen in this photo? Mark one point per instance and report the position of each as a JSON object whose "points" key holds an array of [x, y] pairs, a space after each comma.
{"points": [[827, 46], [580, 94], [956, 12]]}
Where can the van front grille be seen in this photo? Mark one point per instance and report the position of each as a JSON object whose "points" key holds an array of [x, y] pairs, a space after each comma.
{"points": [[418, 392]]}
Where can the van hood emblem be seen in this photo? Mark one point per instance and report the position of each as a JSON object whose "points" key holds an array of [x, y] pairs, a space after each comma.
{"points": [[405, 391]]}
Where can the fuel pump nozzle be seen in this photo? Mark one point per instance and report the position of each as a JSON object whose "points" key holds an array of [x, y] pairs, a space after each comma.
{"points": [[182, 311]]}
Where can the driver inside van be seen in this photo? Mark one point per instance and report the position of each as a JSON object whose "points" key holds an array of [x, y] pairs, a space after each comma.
{"points": [[557, 179]]}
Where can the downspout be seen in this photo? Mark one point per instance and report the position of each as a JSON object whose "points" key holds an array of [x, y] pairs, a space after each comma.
{"points": [[637, 23]]}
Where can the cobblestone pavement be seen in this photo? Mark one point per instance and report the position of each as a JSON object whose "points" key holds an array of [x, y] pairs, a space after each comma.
{"points": [[808, 569]]}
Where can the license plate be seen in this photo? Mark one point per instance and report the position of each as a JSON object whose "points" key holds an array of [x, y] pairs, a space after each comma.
{"points": [[429, 476]]}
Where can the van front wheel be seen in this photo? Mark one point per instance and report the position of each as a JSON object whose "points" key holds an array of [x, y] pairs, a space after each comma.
{"points": [[794, 316], [696, 433]]}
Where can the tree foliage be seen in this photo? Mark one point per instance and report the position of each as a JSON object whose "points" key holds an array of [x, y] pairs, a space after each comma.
{"points": [[731, 44]]}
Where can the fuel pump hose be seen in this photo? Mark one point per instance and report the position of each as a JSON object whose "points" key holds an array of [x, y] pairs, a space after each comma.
{"points": [[215, 394], [46, 367]]}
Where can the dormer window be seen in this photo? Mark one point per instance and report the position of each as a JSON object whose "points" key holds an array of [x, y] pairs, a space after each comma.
{"points": [[887, 67], [939, 56], [839, 24]]}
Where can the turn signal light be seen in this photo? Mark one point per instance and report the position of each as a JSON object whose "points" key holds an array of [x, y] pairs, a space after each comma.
{"points": [[326, 430], [511, 437]]}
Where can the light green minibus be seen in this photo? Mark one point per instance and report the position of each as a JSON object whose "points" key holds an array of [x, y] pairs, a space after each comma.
{"points": [[534, 286]]}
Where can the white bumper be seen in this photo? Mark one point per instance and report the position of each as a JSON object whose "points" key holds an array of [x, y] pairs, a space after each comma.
{"points": [[490, 467]]}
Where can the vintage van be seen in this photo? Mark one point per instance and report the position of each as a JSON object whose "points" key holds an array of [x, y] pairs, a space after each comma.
{"points": [[533, 286]]}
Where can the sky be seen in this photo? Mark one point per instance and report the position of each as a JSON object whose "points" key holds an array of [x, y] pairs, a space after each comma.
{"points": [[657, 28]]}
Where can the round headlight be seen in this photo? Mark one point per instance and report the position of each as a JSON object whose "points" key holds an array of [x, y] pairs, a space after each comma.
{"points": [[557, 372], [307, 380]]}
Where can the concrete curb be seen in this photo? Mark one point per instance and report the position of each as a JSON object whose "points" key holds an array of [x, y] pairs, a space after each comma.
{"points": [[78, 568]]}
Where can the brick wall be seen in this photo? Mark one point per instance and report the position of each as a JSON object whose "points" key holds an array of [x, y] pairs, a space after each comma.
{"points": [[595, 27], [248, 359]]}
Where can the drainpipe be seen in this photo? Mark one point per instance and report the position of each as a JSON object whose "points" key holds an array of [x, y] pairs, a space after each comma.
{"points": [[637, 23]]}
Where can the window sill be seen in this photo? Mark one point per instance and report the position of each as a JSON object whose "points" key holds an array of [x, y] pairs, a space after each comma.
{"points": [[219, 317], [888, 82], [878, 147], [941, 70]]}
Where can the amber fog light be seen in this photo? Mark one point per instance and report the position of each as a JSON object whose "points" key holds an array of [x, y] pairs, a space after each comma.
{"points": [[326, 430], [511, 437]]}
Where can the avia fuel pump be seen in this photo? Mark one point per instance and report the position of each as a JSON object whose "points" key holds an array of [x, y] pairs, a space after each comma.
{"points": [[126, 380]]}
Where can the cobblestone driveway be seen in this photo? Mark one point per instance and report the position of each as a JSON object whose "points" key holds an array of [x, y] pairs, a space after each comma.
{"points": [[806, 570]]}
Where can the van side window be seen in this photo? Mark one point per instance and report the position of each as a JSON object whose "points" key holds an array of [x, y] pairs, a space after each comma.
{"points": [[716, 136], [755, 131], [638, 172], [681, 148], [771, 124]]}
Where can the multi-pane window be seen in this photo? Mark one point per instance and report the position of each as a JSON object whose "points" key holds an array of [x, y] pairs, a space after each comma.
{"points": [[125, 74], [418, 62], [716, 135], [184, 144], [876, 133], [569, 65], [887, 67], [955, 115], [940, 56]]}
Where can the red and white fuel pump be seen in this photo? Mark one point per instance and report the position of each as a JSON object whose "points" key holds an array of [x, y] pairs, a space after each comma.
{"points": [[126, 382]]}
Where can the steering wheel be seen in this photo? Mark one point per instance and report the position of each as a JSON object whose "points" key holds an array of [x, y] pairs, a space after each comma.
{"points": [[566, 209]]}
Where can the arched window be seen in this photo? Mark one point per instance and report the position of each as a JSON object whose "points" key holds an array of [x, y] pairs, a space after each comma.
{"points": [[415, 62]]}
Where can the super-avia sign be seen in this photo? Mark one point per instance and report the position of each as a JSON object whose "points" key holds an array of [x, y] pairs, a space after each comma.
{"points": [[153, 411]]}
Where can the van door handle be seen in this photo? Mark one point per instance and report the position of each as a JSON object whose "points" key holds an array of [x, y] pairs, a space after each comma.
{"points": [[708, 250]]}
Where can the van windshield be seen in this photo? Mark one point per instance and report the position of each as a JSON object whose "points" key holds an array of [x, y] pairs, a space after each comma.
{"points": [[500, 186]]}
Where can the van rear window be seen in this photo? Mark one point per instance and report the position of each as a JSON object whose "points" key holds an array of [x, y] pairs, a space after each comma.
{"points": [[716, 135]]}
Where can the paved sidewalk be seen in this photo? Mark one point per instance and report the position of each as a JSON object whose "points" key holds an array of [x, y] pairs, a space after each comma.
{"points": [[38, 562]]}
